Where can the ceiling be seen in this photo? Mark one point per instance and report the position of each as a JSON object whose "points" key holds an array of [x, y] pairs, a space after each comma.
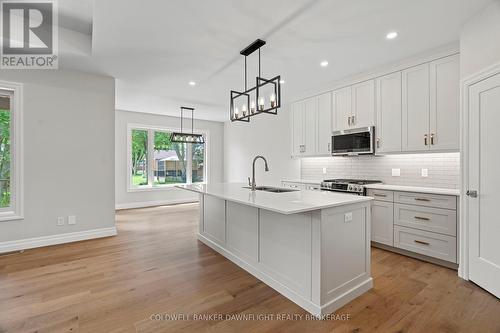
{"points": [[154, 49]]}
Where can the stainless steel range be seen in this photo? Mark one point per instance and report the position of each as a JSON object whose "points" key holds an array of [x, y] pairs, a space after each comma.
{"points": [[352, 186]]}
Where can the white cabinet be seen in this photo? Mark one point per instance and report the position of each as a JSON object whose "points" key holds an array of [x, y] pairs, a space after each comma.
{"points": [[416, 108], [297, 128], [445, 104], [388, 113], [341, 102], [382, 228], [305, 127], [363, 104], [324, 124], [431, 100]]}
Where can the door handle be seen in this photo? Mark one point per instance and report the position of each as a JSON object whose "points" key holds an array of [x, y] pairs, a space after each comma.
{"points": [[421, 242], [329, 146], [353, 120], [471, 193], [425, 139], [378, 142], [422, 218], [349, 120], [422, 199], [432, 139]]}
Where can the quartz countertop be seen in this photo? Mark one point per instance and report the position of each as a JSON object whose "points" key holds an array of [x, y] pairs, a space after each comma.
{"points": [[283, 203], [418, 189]]}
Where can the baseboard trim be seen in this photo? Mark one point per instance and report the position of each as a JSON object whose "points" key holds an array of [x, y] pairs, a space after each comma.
{"points": [[145, 204], [30, 243]]}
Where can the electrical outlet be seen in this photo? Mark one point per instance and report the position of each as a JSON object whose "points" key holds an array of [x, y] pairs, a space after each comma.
{"points": [[396, 172], [60, 220], [348, 217], [72, 219], [425, 172], [324, 170]]}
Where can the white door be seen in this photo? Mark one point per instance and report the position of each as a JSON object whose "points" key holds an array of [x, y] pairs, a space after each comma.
{"points": [[363, 104], [382, 224], [324, 123], [484, 177], [297, 128], [388, 110], [445, 104], [310, 126], [415, 116], [342, 113]]}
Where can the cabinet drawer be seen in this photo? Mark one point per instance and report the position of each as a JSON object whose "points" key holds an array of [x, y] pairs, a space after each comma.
{"points": [[427, 243], [381, 195], [439, 220], [429, 200]]}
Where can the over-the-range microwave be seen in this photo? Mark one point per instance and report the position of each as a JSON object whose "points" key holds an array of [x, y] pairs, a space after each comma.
{"points": [[356, 141]]}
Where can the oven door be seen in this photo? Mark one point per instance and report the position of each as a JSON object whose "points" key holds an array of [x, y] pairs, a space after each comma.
{"points": [[353, 141]]}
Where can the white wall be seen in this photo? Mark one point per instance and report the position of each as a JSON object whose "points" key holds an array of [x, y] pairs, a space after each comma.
{"points": [[266, 135], [479, 40], [68, 152], [126, 199]]}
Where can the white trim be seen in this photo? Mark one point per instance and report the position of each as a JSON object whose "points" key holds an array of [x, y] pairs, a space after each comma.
{"points": [[146, 188], [463, 265], [132, 205], [16, 211], [30, 243]]}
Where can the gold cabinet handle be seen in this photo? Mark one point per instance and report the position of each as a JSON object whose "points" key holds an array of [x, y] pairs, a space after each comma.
{"points": [[422, 218], [379, 195], [378, 142], [353, 120], [349, 120], [422, 199], [432, 139], [421, 242], [329, 146], [425, 139]]}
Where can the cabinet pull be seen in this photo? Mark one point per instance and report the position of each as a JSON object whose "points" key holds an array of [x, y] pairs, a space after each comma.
{"points": [[425, 139], [432, 139], [329, 146], [421, 242], [379, 195], [422, 199], [378, 142], [349, 120], [422, 218], [353, 120]]}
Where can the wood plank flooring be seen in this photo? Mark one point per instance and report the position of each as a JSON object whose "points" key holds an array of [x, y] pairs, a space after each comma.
{"points": [[156, 266]]}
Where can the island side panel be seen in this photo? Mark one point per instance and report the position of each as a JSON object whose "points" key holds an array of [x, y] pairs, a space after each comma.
{"points": [[214, 219], [345, 255], [242, 231]]}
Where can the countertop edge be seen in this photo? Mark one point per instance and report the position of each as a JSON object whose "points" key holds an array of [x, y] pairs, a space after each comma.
{"points": [[417, 189]]}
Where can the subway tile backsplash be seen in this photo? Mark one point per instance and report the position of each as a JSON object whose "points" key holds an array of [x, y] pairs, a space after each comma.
{"points": [[443, 169]]}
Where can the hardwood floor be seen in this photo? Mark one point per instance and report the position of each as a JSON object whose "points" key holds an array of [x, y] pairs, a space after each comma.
{"points": [[156, 266]]}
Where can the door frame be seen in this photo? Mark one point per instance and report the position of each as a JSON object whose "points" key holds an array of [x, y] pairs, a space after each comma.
{"points": [[466, 83]]}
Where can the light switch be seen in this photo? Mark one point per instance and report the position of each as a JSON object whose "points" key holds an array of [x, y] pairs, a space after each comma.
{"points": [[425, 172], [396, 172], [348, 217], [72, 219], [60, 220]]}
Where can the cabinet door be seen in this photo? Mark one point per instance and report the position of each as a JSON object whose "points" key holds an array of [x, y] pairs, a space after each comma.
{"points": [[341, 100], [445, 104], [363, 104], [382, 226], [388, 110], [297, 128], [311, 126], [416, 104], [324, 124]]}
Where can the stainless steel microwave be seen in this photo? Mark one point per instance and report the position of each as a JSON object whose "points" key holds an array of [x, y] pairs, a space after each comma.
{"points": [[355, 141]]}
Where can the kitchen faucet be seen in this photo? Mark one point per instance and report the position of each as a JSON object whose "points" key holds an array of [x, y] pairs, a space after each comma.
{"points": [[252, 183]]}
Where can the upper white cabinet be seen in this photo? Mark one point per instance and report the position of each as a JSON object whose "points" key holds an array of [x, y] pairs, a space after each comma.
{"points": [[416, 107], [342, 111], [388, 113], [324, 124], [363, 104], [305, 127], [445, 104]]}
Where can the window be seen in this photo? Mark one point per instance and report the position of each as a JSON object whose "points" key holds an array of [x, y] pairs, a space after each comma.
{"points": [[156, 162], [10, 152]]}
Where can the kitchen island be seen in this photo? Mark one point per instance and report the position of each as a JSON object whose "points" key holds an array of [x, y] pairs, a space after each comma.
{"points": [[311, 246]]}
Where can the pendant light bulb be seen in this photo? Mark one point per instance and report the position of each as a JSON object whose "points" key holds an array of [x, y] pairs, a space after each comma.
{"points": [[272, 99], [252, 106], [261, 103], [244, 109]]}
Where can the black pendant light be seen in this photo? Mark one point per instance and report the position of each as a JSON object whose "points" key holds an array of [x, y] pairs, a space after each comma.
{"points": [[183, 137], [265, 97]]}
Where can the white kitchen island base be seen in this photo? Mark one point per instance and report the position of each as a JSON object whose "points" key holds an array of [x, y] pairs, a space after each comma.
{"points": [[319, 259]]}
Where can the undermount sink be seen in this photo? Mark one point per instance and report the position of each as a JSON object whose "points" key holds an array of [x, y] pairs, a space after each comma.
{"points": [[271, 189]]}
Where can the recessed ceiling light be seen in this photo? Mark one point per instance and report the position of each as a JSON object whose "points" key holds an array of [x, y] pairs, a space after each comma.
{"points": [[324, 63], [391, 35], [282, 81], [192, 83]]}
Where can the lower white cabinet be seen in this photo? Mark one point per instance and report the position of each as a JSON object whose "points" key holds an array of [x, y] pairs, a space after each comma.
{"points": [[382, 222]]}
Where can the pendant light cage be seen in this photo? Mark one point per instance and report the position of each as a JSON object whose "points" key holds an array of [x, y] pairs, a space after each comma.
{"points": [[185, 137], [264, 97]]}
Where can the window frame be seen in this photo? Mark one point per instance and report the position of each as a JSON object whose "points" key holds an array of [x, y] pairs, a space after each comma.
{"points": [[151, 130], [16, 209]]}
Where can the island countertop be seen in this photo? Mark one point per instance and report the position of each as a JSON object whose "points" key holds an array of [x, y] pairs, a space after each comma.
{"points": [[283, 203]]}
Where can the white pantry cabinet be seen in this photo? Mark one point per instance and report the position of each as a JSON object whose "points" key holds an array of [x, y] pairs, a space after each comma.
{"points": [[324, 124], [304, 114], [388, 113]]}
